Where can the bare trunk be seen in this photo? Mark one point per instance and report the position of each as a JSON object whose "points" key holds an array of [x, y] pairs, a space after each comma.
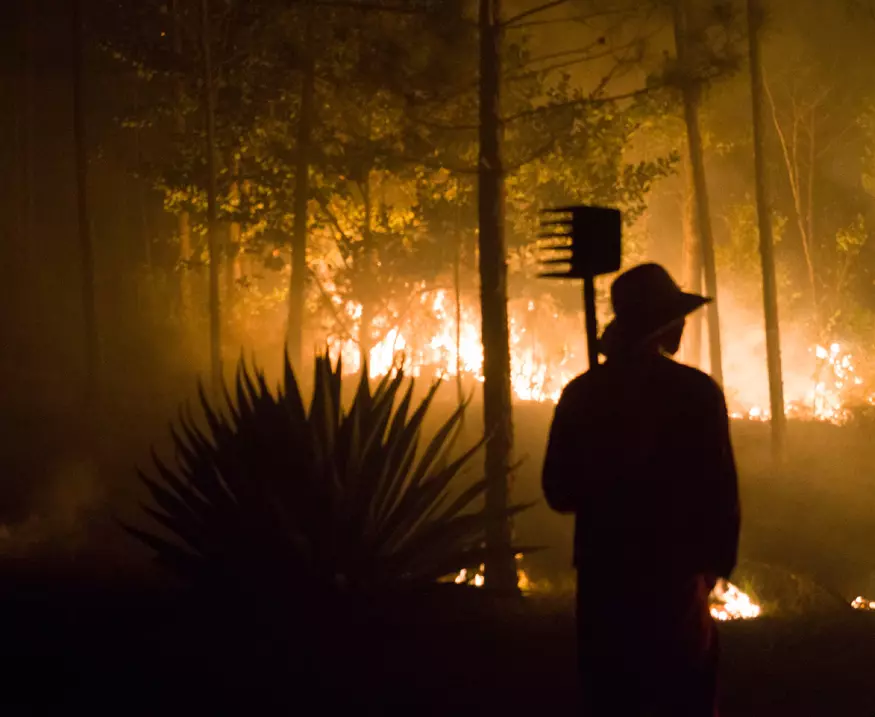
{"points": [[791, 163], [767, 254], [497, 408], [186, 301], [692, 99], [232, 248], [692, 268], [366, 289], [231, 266], [28, 146], [809, 224], [142, 203], [298, 280], [210, 119], [86, 248], [457, 289]]}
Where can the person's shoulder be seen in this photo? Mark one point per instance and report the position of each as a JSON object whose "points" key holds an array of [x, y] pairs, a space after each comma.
{"points": [[695, 380], [582, 383], [578, 383]]}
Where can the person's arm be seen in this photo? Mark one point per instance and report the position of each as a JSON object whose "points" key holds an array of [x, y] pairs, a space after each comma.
{"points": [[726, 510], [560, 475]]}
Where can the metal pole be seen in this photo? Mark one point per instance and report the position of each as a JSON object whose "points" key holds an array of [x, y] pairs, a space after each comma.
{"points": [[592, 327]]}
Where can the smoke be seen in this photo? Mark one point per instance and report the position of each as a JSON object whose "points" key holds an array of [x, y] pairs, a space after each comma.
{"points": [[743, 335]]}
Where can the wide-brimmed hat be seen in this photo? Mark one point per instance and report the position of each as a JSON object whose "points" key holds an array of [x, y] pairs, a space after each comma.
{"points": [[646, 301]]}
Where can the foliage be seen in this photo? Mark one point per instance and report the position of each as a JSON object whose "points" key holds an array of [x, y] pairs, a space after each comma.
{"points": [[740, 254], [275, 494]]}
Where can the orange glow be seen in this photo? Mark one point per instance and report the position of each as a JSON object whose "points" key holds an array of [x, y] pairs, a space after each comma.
{"points": [[730, 603], [548, 349], [861, 603]]}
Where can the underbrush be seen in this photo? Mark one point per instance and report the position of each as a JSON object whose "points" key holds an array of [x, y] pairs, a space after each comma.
{"points": [[812, 518]]}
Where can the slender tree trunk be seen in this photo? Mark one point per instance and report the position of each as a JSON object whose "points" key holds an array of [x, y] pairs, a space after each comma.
{"points": [[27, 152], [183, 218], [186, 293], [366, 276], [142, 204], [692, 92], [767, 256], [457, 290], [19, 100], [809, 225], [232, 249], [210, 119], [789, 148], [86, 248], [692, 268], [497, 408], [298, 280]]}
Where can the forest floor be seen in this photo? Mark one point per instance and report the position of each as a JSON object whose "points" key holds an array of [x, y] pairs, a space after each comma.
{"points": [[110, 644], [98, 649]]}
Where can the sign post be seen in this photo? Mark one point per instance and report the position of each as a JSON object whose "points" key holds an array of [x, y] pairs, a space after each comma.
{"points": [[587, 241]]}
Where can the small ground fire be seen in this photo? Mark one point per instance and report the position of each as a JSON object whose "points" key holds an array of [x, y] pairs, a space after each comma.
{"points": [[728, 602], [861, 603]]}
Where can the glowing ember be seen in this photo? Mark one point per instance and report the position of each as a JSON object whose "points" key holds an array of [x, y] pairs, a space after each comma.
{"points": [[861, 603], [729, 603], [478, 579]]}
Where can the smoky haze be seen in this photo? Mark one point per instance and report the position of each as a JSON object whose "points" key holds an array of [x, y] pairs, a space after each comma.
{"points": [[152, 309]]}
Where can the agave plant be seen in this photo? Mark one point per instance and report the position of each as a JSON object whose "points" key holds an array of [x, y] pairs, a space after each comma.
{"points": [[325, 497]]}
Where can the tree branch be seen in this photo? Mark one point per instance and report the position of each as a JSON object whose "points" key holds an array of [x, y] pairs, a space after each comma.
{"points": [[347, 334], [323, 204], [564, 53], [539, 153], [367, 6], [597, 56], [574, 18], [794, 190], [434, 164], [445, 127], [534, 11], [592, 101]]}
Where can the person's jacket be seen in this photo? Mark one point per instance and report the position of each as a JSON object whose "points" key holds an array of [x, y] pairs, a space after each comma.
{"points": [[640, 452]]}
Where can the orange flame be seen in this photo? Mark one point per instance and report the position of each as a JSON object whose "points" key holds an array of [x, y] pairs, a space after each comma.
{"points": [[548, 349]]}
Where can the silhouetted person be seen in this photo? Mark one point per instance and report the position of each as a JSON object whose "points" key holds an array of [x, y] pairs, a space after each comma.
{"points": [[640, 452]]}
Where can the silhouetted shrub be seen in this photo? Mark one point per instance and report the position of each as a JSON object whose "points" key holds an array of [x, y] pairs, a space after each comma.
{"points": [[321, 502]]}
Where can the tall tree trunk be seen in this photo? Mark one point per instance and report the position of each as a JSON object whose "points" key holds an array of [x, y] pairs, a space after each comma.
{"points": [[692, 267], [804, 215], [497, 409], [210, 119], [692, 93], [86, 248], [27, 151], [457, 291], [142, 199], [366, 293], [19, 100], [232, 248], [298, 280], [767, 255], [183, 218]]}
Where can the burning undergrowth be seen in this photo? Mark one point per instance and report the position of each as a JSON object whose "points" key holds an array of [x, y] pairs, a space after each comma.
{"points": [[728, 602], [548, 348]]}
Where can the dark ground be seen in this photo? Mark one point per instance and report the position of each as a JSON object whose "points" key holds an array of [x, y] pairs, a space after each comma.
{"points": [[112, 651], [81, 631]]}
